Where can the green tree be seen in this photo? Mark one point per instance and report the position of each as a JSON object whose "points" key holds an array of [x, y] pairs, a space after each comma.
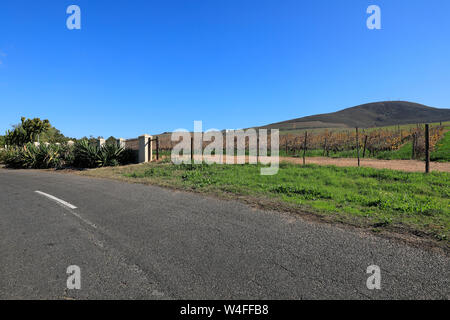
{"points": [[16, 137], [34, 127], [111, 140], [27, 131], [53, 135]]}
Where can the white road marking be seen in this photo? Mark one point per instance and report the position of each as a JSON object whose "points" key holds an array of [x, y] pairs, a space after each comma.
{"points": [[67, 205], [70, 206], [83, 219]]}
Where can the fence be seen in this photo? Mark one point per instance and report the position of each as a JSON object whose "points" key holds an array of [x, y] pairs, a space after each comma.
{"points": [[363, 142], [423, 139], [141, 146], [132, 144]]}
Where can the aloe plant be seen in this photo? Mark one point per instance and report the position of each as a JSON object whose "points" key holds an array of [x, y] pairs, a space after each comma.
{"points": [[86, 155], [82, 155], [110, 155]]}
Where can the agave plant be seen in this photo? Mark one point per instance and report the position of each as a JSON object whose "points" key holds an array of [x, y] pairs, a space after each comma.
{"points": [[2, 155], [48, 156], [27, 155], [82, 155], [66, 155], [20, 157], [86, 155], [128, 156], [11, 158], [110, 155], [31, 156]]}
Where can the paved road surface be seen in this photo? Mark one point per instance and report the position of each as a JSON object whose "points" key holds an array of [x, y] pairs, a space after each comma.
{"points": [[140, 242]]}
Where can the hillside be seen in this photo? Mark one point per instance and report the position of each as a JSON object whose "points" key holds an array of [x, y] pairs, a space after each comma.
{"points": [[377, 114]]}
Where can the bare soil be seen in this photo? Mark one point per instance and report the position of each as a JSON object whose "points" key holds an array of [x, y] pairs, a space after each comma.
{"points": [[401, 165]]}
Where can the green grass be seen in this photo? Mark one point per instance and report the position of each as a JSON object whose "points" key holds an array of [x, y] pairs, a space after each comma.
{"points": [[397, 200], [442, 152], [404, 153]]}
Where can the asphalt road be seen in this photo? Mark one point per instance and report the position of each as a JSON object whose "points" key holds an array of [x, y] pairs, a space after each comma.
{"points": [[138, 242]]}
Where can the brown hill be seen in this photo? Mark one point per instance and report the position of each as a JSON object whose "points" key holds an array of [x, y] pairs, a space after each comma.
{"points": [[377, 114]]}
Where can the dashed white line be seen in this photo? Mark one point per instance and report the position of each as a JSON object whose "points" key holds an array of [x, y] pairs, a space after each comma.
{"points": [[64, 203], [67, 205]]}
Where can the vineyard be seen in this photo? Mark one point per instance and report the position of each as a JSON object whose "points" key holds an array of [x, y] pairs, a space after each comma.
{"points": [[371, 142], [406, 142]]}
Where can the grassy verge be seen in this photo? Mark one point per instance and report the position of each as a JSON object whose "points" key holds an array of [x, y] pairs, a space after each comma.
{"points": [[404, 153], [442, 152], [380, 199]]}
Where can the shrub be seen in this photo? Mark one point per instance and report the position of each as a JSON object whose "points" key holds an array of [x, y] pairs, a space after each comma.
{"points": [[66, 153], [27, 131], [129, 156], [2, 156], [33, 157], [46, 157], [20, 157], [81, 155], [110, 155], [85, 155]]}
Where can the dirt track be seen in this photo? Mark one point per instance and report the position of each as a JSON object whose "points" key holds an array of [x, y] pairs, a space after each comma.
{"points": [[402, 165]]}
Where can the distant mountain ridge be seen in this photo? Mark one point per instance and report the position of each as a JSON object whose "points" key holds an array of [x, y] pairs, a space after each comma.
{"points": [[377, 114]]}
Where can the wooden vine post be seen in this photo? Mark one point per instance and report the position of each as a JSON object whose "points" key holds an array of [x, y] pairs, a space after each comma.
{"points": [[427, 148], [365, 144], [157, 148], [304, 148], [357, 146]]}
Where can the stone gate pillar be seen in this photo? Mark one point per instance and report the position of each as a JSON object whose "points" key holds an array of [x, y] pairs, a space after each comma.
{"points": [[121, 143], [100, 142], [145, 148]]}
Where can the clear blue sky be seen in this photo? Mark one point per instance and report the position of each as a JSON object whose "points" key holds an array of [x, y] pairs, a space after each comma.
{"points": [[152, 66]]}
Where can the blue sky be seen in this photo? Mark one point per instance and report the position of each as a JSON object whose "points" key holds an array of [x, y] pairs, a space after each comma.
{"points": [[152, 66]]}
